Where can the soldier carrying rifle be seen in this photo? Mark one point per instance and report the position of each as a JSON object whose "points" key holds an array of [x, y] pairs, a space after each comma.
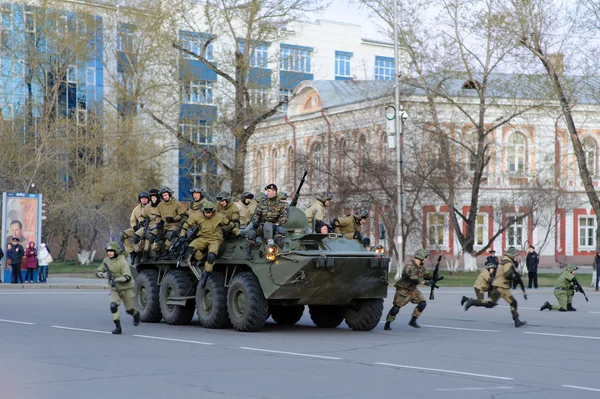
{"points": [[564, 288]]}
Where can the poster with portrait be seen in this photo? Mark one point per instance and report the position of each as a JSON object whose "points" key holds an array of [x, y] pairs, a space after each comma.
{"points": [[21, 218]]}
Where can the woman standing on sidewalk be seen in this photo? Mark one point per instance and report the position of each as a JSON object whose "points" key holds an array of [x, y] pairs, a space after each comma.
{"points": [[31, 261], [597, 267], [44, 259]]}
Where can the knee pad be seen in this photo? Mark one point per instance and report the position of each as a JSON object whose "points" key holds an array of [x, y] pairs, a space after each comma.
{"points": [[513, 303], [394, 310], [130, 311], [211, 258], [114, 308], [422, 305]]}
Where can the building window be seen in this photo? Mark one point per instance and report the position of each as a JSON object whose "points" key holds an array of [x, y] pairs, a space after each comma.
{"points": [[516, 231], [290, 164], [516, 153], [342, 64], [198, 92], [276, 167], [481, 235], [81, 117], [72, 74], [587, 232], [91, 76], [196, 131], [125, 38], [259, 97], [435, 229], [197, 173], [294, 59], [589, 147], [7, 16], [30, 24], [384, 68], [317, 165], [260, 55], [259, 170], [284, 96], [6, 111], [364, 155], [195, 44], [18, 68]]}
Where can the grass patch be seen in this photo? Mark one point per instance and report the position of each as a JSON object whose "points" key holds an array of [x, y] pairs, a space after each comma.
{"points": [[467, 279], [71, 267]]}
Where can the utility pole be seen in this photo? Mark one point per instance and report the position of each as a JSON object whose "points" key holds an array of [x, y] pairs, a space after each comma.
{"points": [[399, 122]]}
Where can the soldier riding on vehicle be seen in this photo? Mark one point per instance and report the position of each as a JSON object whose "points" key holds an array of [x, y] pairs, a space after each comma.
{"points": [[172, 213], [316, 211], [138, 222], [350, 226], [231, 212], [270, 210], [197, 200], [246, 206]]}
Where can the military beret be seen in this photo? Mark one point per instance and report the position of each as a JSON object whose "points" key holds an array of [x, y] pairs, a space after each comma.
{"points": [[15, 238], [271, 186]]}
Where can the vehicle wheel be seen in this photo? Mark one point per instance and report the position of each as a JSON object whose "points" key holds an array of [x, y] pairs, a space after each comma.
{"points": [[326, 316], [364, 314], [246, 303], [287, 315], [211, 302], [177, 283], [146, 296]]}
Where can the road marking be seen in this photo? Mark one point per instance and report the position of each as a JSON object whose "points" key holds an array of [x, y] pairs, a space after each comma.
{"points": [[17, 322], [174, 340], [459, 328], [470, 389], [520, 307], [562, 335], [445, 371], [38, 292], [593, 312], [582, 388], [81, 329], [290, 353]]}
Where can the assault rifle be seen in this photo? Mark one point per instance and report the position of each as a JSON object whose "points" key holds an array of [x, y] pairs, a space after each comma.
{"points": [[297, 193], [435, 279], [111, 280], [579, 288], [182, 241]]}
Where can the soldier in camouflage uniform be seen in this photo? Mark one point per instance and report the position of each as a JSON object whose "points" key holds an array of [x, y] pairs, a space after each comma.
{"points": [[316, 211], [246, 206], [483, 282], [117, 269], [270, 209], [563, 291], [350, 225], [209, 237], [501, 287], [413, 275], [137, 222], [172, 213], [197, 201], [231, 212]]}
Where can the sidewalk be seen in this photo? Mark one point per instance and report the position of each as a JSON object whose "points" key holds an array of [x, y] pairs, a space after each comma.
{"points": [[61, 283]]}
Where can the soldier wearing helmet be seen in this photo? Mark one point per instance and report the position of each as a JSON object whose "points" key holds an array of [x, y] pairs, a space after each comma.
{"points": [[501, 287], [271, 210], [231, 212], [261, 195], [116, 268], [413, 275], [483, 283], [171, 214], [138, 222], [154, 225], [197, 200], [316, 211], [350, 226], [564, 290], [209, 237], [246, 207]]}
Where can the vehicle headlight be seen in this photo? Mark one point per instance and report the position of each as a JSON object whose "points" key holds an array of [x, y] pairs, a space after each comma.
{"points": [[271, 252]]}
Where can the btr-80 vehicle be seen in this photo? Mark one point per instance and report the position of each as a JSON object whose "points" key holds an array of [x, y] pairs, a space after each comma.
{"points": [[337, 278]]}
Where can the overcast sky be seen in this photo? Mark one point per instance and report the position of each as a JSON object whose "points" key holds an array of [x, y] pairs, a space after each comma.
{"points": [[342, 11]]}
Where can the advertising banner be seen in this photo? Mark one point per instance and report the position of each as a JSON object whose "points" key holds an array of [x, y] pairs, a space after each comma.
{"points": [[21, 218]]}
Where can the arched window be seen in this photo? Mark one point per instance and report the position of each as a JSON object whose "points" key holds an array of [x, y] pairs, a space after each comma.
{"points": [[516, 153], [343, 157], [277, 172], [470, 143], [589, 147], [364, 154], [290, 164], [259, 170], [317, 164]]}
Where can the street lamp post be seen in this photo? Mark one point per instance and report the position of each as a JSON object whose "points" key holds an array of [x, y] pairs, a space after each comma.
{"points": [[399, 124]]}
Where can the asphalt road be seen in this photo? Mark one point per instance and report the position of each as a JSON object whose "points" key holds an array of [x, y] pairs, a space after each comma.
{"points": [[57, 344]]}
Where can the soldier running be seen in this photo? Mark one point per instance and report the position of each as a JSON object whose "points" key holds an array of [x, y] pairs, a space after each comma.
{"points": [[413, 275], [483, 282], [116, 268]]}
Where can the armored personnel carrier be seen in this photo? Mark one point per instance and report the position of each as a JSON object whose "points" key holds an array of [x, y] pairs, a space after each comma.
{"points": [[337, 278]]}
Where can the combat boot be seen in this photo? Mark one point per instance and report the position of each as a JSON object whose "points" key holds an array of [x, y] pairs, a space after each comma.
{"points": [[118, 329], [519, 323], [387, 326], [463, 300], [570, 308], [136, 318], [546, 306], [470, 302], [145, 256], [249, 248], [132, 257], [413, 322]]}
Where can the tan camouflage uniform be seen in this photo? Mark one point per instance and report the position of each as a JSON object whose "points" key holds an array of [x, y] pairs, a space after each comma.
{"points": [[407, 288]]}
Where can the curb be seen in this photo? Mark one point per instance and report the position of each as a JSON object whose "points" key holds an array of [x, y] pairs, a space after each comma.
{"points": [[53, 287]]}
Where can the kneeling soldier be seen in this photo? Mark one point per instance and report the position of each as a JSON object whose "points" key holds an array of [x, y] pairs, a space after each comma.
{"points": [[563, 291], [483, 282], [413, 275], [116, 268]]}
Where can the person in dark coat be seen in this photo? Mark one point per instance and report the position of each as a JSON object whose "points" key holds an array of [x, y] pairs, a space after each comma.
{"points": [[30, 262], [492, 258], [597, 267], [531, 262], [16, 257]]}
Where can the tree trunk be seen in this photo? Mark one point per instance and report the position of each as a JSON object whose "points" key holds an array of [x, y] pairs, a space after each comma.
{"points": [[470, 262], [237, 173]]}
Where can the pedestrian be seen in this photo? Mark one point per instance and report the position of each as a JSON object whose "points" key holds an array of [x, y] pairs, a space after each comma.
{"points": [[116, 268], [564, 290], [501, 287], [413, 275], [30, 262], [597, 267], [44, 259], [492, 258], [532, 262], [483, 283], [16, 257], [1, 256]]}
